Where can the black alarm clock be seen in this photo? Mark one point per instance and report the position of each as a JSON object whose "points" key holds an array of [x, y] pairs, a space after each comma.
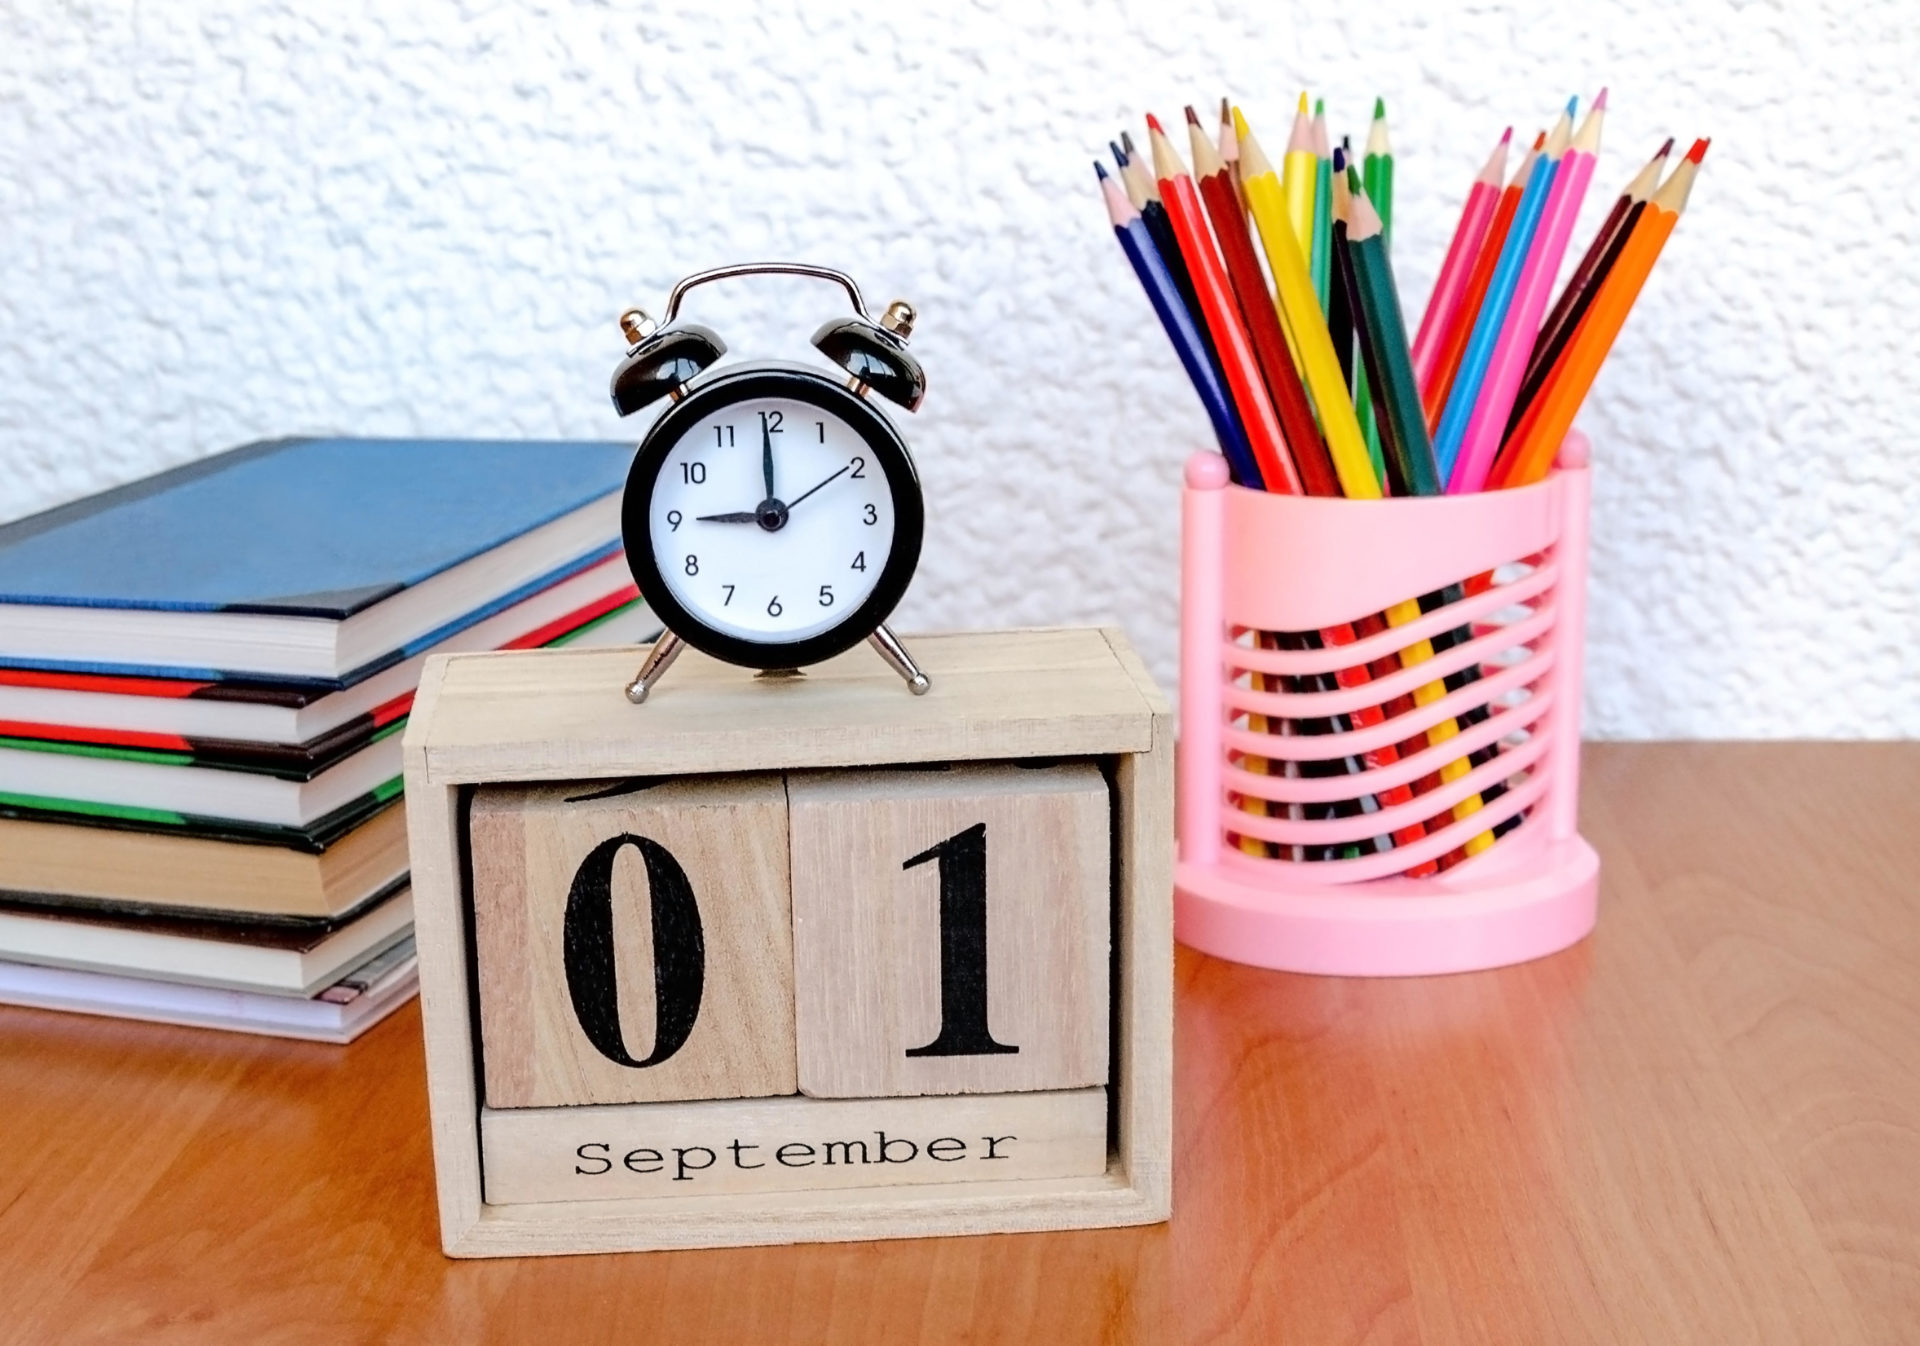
{"points": [[772, 516]]}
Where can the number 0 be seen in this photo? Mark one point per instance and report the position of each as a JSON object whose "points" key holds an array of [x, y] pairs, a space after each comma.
{"points": [[679, 951]]}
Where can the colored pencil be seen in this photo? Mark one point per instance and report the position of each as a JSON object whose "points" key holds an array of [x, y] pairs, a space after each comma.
{"points": [[1228, 213], [1144, 192], [1356, 367], [1250, 399], [1376, 173], [1546, 425], [1130, 229], [1134, 178], [1586, 280], [1299, 170], [1320, 252], [1487, 426], [1300, 307], [1382, 330], [1339, 314], [1461, 253], [1229, 147], [1491, 320], [1453, 340]]}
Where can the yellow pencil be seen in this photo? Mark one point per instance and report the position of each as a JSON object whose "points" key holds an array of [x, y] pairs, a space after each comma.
{"points": [[1298, 169], [1305, 324]]}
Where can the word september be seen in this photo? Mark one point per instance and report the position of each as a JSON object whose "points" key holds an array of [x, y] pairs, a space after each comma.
{"points": [[792, 1154]]}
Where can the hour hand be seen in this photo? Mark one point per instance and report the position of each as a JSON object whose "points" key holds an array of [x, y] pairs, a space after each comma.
{"points": [[738, 516]]}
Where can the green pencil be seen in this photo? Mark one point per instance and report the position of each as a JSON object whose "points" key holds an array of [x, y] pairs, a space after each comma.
{"points": [[1382, 331], [1362, 396], [1377, 173], [1320, 251]]}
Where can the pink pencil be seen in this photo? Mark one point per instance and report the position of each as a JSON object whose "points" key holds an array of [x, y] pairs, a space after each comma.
{"points": [[1508, 365], [1454, 272]]}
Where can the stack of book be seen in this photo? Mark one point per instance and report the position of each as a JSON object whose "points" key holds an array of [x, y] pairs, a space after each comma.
{"points": [[203, 681]]}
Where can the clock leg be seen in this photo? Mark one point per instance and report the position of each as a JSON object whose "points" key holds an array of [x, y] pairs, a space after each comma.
{"points": [[899, 660], [665, 650]]}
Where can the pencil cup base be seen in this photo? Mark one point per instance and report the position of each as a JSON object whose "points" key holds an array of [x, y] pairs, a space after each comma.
{"points": [[1490, 912]]}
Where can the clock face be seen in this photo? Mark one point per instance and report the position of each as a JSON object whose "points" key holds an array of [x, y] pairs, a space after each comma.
{"points": [[773, 520]]}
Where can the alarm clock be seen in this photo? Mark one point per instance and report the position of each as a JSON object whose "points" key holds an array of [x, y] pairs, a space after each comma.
{"points": [[772, 515]]}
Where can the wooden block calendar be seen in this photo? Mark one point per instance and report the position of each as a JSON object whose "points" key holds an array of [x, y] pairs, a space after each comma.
{"points": [[787, 959]]}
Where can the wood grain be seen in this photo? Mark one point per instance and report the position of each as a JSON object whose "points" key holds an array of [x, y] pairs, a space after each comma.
{"points": [[869, 944], [727, 837], [1702, 1125], [1045, 693]]}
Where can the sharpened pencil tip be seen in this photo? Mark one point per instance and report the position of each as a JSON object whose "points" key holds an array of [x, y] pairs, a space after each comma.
{"points": [[1353, 181], [1665, 149], [1699, 150], [1506, 136], [1100, 170], [1303, 100], [1600, 102], [1126, 143], [1339, 160], [1119, 155], [1540, 140], [1226, 111], [1573, 105], [1153, 124], [1319, 106], [1193, 118], [1379, 108]]}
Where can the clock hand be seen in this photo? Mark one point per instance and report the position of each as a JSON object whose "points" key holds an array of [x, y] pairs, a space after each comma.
{"points": [[804, 494], [766, 456], [739, 516]]}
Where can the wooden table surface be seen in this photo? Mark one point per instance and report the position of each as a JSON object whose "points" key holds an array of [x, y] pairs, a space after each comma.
{"points": [[1702, 1125]]}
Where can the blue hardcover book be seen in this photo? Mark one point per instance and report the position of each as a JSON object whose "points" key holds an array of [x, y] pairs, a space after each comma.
{"points": [[303, 559]]}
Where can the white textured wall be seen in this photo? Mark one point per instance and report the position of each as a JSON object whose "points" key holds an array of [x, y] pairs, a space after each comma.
{"points": [[224, 221]]}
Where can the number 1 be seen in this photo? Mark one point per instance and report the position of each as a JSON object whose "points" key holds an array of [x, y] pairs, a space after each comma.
{"points": [[963, 947]]}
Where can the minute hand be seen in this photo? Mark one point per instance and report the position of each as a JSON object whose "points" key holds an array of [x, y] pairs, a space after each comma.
{"points": [[804, 494]]}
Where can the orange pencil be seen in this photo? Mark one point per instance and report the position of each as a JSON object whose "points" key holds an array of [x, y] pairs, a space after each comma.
{"points": [[1230, 340], [1453, 346], [1530, 450]]}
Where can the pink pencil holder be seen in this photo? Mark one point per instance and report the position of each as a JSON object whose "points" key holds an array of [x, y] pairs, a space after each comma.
{"points": [[1325, 753]]}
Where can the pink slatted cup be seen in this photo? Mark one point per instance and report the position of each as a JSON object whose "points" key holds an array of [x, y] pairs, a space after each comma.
{"points": [[1259, 567]]}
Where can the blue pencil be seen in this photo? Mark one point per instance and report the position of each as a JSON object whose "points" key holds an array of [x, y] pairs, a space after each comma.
{"points": [[1137, 243], [1493, 309]]}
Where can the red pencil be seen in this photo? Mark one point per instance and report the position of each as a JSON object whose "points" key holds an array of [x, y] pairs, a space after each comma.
{"points": [[1182, 200], [1249, 286], [1453, 347]]}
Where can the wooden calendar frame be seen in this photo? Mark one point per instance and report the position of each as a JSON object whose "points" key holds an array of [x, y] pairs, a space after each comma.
{"points": [[561, 715]]}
